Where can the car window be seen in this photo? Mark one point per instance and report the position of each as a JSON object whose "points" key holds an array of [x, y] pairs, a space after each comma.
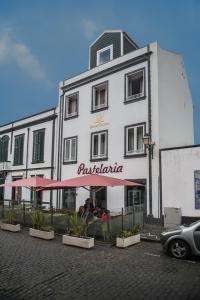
{"points": [[194, 223], [198, 229]]}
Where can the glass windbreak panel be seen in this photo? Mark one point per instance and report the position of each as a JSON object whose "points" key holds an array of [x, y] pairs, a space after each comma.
{"points": [[130, 140], [197, 189], [135, 197], [103, 145], [2, 180], [69, 198], [100, 197], [104, 56], [95, 144], [140, 139]]}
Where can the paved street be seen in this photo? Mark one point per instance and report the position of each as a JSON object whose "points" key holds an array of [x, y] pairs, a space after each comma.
{"points": [[35, 269]]}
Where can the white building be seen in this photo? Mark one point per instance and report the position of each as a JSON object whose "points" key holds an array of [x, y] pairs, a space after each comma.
{"points": [[103, 115], [27, 149]]}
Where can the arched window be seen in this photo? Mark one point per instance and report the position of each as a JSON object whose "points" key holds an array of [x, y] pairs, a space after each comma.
{"points": [[4, 141]]}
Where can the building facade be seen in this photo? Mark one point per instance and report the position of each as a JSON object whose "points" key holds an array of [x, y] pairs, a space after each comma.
{"points": [[27, 148], [128, 95]]}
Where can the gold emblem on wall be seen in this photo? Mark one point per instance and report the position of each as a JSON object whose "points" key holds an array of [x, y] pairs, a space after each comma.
{"points": [[99, 121]]}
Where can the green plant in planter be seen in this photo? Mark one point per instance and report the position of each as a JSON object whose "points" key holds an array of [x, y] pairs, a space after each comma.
{"points": [[38, 219], [78, 225], [10, 217], [127, 233]]}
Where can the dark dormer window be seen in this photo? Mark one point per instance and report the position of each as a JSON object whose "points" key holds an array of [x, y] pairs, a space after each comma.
{"points": [[104, 55]]}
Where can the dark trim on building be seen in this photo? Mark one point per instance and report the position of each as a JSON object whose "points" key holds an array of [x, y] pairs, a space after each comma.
{"points": [[118, 67], [127, 101], [29, 124], [98, 159], [130, 40], [52, 155], [11, 140], [92, 98], [144, 154], [134, 100], [59, 149], [180, 147], [103, 158], [28, 132], [28, 169], [74, 161], [160, 182], [150, 132], [14, 164], [42, 160], [30, 116], [135, 156]]}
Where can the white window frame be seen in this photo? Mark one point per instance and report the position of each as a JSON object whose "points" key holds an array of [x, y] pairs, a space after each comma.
{"points": [[102, 50], [135, 151], [94, 88], [99, 155], [67, 98], [135, 96], [65, 160]]}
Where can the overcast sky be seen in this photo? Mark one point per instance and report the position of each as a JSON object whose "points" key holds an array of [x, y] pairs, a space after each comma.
{"points": [[45, 41]]}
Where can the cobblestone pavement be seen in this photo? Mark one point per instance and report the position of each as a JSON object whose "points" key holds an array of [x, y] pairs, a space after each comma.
{"points": [[35, 269]]}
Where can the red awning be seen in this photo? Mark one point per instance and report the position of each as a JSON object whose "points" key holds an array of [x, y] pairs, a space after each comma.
{"points": [[34, 181], [91, 180]]}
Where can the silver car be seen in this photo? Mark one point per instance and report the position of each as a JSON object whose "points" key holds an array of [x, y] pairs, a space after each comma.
{"points": [[182, 241]]}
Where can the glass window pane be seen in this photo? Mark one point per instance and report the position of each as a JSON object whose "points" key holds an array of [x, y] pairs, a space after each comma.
{"points": [[102, 97], [104, 56], [103, 145], [140, 138], [130, 140], [73, 149], [67, 150], [95, 145]]}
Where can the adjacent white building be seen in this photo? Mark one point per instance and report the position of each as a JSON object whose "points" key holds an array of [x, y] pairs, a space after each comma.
{"points": [[128, 93]]}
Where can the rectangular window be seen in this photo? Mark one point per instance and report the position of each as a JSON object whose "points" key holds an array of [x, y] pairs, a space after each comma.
{"points": [[99, 145], [38, 146], [197, 189], [70, 150], [134, 139], [71, 106], [19, 150], [100, 96], [134, 85], [104, 55]]}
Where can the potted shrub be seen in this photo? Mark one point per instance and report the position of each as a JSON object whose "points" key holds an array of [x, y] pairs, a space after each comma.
{"points": [[77, 232], [128, 237], [10, 222], [39, 230]]}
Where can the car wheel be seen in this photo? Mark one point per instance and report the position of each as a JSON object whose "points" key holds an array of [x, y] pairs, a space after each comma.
{"points": [[179, 249]]}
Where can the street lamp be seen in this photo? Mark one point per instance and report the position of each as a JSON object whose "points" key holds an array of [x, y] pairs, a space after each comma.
{"points": [[149, 144]]}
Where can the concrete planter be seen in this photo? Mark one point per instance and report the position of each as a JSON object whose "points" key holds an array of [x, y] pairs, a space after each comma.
{"points": [[45, 235], [125, 242], [10, 227], [78, 241]]}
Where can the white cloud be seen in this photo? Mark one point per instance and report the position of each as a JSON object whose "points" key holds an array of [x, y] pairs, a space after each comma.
{"points": [[12, 51], [89, 28]]}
